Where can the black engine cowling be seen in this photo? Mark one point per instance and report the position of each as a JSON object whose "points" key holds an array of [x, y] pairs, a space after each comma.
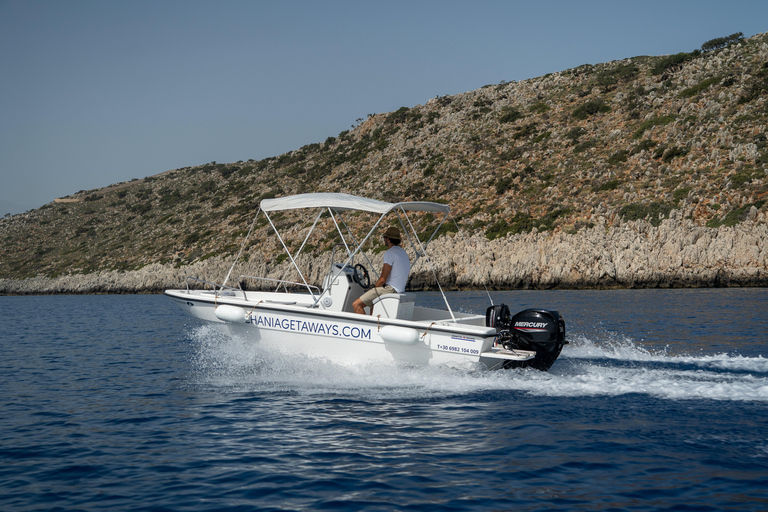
{"points": [[497, 316], [539, 330]]}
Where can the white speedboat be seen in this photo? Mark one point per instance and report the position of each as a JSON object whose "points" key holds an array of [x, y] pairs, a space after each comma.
{"points": [[299, 318]]}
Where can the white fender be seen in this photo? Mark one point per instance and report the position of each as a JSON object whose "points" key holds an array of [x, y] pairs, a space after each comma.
{"points": [[232, 314], [402, 335]]}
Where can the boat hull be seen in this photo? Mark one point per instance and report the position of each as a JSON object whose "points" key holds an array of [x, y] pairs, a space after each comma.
{"points": [[348, 338]]}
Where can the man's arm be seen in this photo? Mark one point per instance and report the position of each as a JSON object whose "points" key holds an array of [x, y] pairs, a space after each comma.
{"points": [[385, 271]]}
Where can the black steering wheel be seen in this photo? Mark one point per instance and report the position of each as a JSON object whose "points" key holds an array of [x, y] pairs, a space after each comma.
{"points": [[361, 276]]}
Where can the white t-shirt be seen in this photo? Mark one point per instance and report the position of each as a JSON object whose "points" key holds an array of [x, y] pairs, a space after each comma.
{"points": [[401, 266]]}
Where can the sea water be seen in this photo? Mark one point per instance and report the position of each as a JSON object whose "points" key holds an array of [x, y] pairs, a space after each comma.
{"points": [[659, 402]]}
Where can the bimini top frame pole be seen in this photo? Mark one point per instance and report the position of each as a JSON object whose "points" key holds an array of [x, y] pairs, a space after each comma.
{"points": [[424, 253], [242, 247], [306, 238], [290, 256], [358, 248]]}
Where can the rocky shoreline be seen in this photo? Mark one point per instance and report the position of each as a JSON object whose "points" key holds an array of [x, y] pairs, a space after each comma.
{"points": [[677, 253]]}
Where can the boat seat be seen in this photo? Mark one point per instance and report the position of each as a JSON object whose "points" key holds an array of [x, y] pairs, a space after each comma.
{"points": [[394, 305]]}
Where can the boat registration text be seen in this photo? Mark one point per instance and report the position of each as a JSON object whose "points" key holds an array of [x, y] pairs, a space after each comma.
{"points": [[462, 350]]}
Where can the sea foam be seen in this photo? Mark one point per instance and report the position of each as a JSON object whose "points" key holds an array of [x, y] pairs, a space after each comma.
{"points": [[614, 366]]}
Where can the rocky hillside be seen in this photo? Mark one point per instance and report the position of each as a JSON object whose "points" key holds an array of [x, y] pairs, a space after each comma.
{"points": [[561, 167]]}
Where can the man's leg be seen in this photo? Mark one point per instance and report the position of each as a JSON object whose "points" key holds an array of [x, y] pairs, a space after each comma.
{"points": [[358, 306], [368, 297]]}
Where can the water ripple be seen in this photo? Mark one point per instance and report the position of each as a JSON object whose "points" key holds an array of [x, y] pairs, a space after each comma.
{"points": [[139, 414]]}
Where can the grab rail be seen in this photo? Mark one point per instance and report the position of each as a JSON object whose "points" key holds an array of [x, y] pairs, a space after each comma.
{"points": [[279, 282], [210, 283]]}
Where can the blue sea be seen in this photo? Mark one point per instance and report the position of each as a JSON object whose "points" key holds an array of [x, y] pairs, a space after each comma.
{"points": [[659, 402]]}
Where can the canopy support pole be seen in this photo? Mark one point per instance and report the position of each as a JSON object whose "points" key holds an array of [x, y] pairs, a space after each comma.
{"points": [[434, 273], [293, 261], [306, 238], [471, 257], [242, 247]]}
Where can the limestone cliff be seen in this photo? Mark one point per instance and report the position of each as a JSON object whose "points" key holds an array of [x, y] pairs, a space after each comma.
{"points": [[677, 253]]}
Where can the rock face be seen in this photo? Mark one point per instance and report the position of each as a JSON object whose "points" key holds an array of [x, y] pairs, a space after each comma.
{"points": [[637, 254], [676, 253]]}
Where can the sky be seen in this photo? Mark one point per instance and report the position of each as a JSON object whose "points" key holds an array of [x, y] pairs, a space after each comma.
{"points": [[97, 92]]}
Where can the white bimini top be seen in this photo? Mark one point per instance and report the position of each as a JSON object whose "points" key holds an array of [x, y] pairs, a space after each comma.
{"points": [[341, 202]]}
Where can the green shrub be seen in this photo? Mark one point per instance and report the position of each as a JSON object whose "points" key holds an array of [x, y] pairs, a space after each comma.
{"points": [[645, 145], [525, 131], [673, 152], [608, 185], [512, 154], [680, 194], [618, 157], [208, 187], [590, 108], [735, 216], [756, 86], [524, 223], [143, 193], [503, 184], [622, 73], [579, 148], [659, 151], [714, 223], [509, 115], [721, 42], [141, 208], [548, 220], [740, 179], [575, 133], [399, 116], [520, 223], [226, 171], [170, 198], [672, 61], [696, 89], [445, 228], [636, 211], [656, 121]]}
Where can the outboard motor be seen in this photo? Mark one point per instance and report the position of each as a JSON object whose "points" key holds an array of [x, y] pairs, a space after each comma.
{"points": [[498, 317], [538, 330]]}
